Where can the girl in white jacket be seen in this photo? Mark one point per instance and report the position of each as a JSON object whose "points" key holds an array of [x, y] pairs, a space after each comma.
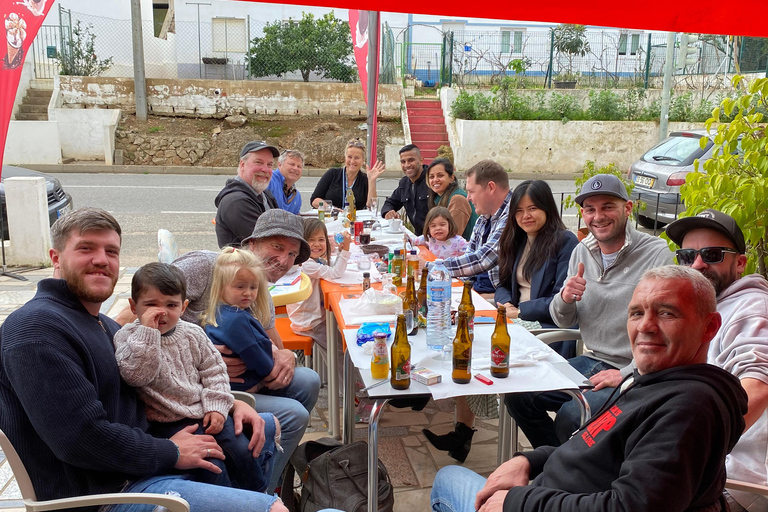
{"points": [[308, 317]]}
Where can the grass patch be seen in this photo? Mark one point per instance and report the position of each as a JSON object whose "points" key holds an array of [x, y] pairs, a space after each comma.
{"points": [[155, 129], [271, 128]]}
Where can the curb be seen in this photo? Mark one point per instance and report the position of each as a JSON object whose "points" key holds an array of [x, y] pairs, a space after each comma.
{"points": [[96, 168]]}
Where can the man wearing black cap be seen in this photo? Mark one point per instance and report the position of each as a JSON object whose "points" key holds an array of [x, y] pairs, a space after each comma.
{"points": [[712, 243], [244, 198], [603, 272]]}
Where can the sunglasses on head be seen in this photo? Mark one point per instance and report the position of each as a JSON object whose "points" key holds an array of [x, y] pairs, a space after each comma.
{"points": [[708, 255]]}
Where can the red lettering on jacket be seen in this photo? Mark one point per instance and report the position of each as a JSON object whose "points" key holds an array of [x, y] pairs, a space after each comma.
{"points": [[605, 422]]}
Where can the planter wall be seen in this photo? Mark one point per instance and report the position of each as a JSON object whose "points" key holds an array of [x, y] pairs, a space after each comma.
{"points": [[554, 147]]}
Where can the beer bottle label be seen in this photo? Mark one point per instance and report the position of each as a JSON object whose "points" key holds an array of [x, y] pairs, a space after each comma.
{"points": [[462, 362], [403, 370], [499, 358], [471, 327]]}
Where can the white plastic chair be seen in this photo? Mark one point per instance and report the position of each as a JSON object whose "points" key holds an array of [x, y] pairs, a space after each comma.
{"points": [[172, 503]]}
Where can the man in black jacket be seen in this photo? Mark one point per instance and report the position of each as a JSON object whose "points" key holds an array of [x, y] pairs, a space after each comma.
{"points": [[412, 191], [658, 443], [245, 197]]}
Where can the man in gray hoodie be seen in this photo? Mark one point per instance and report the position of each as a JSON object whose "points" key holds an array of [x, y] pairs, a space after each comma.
{"points": [[603, 272], [713, 243]]}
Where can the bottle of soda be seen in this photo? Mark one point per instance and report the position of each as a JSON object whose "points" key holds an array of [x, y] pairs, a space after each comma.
{"points": [[366, 280], [352, 209], [321, 212], [500, 346], [467, 306], [421, 294], [411, 302], [462, 352], [400, 357], [412, 264], [380, 357]]}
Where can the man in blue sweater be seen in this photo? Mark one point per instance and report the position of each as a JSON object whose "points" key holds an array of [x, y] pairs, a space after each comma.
{"points": [[78, 428]]}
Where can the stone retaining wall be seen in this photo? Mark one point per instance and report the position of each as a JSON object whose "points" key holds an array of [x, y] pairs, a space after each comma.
{"points": [[149, 149]]}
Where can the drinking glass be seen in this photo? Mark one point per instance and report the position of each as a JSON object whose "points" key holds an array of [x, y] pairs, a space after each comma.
{"points": [[373, 207]]}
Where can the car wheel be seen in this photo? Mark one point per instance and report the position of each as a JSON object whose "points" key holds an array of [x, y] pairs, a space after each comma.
{"points": [[650, 223]]}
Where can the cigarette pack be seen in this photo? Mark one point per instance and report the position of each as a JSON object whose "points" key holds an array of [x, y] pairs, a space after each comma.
{"points": [[426, 376]]}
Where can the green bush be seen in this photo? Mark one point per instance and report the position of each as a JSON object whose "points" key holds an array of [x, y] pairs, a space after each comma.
{"points": [[506, 103], [606, 106]]}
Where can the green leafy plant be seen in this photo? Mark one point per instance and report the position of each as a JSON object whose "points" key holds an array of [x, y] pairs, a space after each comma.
{"points": [[735, 179], [572, 41], [78, 57], [590, 170], [155, 129], [606, 106], [565, 107], [320, 45]]}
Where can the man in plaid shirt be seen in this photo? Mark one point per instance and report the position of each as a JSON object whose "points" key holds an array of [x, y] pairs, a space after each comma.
{"points": [[488, 190]]}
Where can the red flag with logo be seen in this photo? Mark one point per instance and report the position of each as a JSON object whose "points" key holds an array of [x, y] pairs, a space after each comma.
{"points": [[21, 21], [358, 26]]}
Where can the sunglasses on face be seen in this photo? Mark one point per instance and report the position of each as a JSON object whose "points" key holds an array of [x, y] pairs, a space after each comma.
{"points": [[709, 255]]}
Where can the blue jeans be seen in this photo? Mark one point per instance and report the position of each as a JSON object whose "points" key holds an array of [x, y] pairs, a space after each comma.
{"points": [[292, 406], [201, 497], [455, 488], [239, 468], [529, 410]]}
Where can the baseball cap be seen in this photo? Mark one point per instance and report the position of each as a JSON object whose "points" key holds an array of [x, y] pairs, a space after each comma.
{"points": [[708, 219], [602, 185], [258, 145], [276, 222]]}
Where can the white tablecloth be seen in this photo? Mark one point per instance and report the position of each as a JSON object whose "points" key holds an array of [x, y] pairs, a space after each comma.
{"points": [[532, 375]]}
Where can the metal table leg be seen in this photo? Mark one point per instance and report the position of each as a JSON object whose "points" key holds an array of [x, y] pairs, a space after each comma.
{"points": [[348, 418], [507, 434], [332, 336], [373, 454], [577, 395]]}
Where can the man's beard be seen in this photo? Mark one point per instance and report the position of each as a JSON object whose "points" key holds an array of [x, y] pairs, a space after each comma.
{"points": [[259, 186], [719, 281], [76, 283]]}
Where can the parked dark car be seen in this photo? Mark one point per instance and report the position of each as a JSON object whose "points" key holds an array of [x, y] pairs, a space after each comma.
{"points": [[59, 202], [660, 172]]}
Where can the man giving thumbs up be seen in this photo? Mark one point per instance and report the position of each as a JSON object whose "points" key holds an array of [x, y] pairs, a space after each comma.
{"points": [[604, 270]]}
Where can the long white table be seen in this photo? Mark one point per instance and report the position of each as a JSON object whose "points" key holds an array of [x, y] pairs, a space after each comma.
{"points": [[550, 373]]}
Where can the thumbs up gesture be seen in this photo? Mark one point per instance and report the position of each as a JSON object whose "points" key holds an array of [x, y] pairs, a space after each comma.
{"points": [[574, 287]]}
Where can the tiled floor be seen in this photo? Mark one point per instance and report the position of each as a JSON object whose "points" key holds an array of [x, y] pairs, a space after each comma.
{"points": [[411, 461]]}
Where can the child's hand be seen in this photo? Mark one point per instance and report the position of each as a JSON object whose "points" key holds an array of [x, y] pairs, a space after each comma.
{"points": [[347, 240], [215, 420], [151, 317]]}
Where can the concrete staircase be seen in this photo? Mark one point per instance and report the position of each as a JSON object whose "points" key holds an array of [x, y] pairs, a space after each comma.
{"points": [[427, 124], [34, 106]]}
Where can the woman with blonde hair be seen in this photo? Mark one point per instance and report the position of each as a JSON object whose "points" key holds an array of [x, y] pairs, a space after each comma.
{"points": [[337, 181]]}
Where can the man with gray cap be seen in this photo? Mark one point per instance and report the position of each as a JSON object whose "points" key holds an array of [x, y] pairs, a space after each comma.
{"points": [[604, 270], [290, 392], [713, 243], [244, 198]]}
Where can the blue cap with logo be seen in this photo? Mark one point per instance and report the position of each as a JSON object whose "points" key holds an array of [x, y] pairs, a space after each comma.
{"points": [[602, 185]]}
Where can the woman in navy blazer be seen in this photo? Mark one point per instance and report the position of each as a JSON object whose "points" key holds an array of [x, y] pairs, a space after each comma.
{"points": [[536, 236], [535, 248]]}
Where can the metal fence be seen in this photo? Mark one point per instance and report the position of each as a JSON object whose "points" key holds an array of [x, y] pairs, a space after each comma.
{"points": [[615, 58], [218, 48]]}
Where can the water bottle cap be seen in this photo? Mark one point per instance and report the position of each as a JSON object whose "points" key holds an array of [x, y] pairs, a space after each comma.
{"points": [[438, 262]]}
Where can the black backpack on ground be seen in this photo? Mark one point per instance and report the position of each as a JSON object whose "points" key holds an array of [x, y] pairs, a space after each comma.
{"points": [[333, 475]]}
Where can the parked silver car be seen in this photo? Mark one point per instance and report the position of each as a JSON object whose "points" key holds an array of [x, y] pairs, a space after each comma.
{"points": [[660, 172], [59, 202]]}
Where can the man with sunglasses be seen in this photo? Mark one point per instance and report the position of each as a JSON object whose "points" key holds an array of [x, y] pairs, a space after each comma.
{"points": [[712, 243]]}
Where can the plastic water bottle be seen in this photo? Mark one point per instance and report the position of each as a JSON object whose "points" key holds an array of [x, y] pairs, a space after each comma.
{"points": [[438, 306]]}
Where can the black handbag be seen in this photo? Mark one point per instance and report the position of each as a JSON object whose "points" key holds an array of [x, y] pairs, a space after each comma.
{"points": [[333, 475]]}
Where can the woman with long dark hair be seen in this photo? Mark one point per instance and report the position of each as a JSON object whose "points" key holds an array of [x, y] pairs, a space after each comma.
{"points": [[444, 191], [535, 248]]}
